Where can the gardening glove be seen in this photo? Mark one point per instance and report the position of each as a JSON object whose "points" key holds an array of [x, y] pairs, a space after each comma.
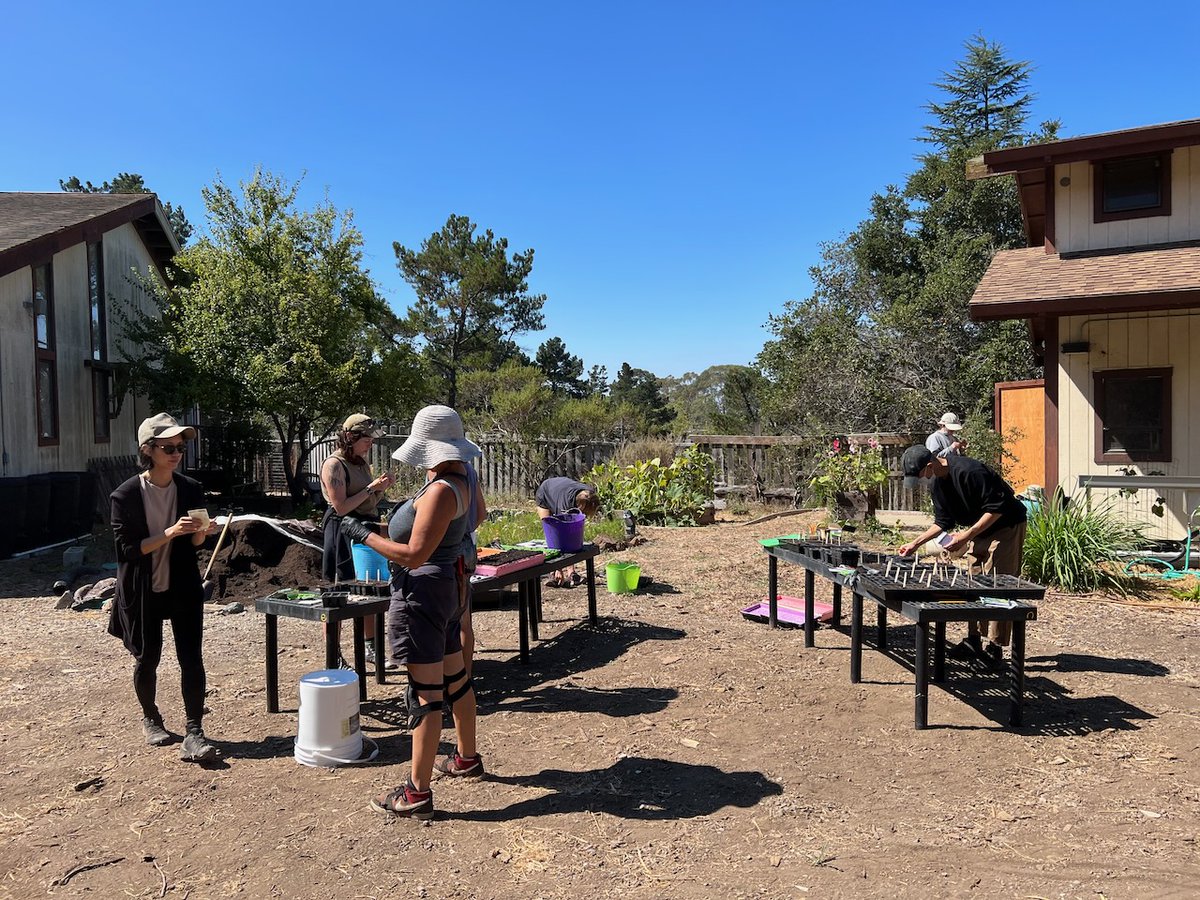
{"points": [[355, 530]]}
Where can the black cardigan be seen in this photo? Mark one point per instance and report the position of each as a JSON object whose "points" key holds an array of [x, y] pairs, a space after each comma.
{"points": [[134, 567]]}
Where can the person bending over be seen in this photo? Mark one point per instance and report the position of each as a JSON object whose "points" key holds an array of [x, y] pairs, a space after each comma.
{"points": [[559, 495]]}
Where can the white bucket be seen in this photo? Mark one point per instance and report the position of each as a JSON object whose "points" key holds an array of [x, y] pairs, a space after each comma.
{"points": [[329, 733]]}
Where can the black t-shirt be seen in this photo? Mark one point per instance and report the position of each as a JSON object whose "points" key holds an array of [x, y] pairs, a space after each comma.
{"points": [[969, 490]]}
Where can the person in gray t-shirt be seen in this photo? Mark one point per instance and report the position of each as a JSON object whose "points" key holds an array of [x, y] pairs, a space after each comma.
{"points": [[946, 439]]}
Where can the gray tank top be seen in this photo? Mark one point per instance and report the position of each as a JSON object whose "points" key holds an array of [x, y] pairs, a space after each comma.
{"points": [[446, 553]]}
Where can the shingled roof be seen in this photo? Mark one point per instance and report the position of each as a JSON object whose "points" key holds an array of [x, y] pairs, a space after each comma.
{"points": [[1031, 282], [33, 227]]}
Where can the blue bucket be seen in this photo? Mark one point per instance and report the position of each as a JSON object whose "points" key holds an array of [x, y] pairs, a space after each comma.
{"points": [[368, 564], [564, 532]]}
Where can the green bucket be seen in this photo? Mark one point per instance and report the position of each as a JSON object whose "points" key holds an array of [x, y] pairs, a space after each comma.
{"points": [[622, 577]]}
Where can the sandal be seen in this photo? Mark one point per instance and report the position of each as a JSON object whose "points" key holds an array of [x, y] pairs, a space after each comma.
{"points": [[576, 579], [405, 801]]}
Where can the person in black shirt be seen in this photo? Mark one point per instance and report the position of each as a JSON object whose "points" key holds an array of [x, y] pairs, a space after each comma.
{"points": [[969, 495]]}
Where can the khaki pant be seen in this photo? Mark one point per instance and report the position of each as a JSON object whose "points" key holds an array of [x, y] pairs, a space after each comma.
{"points": [[998, 553]]}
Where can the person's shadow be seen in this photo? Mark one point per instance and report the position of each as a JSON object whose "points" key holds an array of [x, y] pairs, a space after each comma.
{"points": [[632, 788]]}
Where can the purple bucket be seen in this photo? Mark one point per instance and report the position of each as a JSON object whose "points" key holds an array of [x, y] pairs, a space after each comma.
{"points": [[564, 531]]}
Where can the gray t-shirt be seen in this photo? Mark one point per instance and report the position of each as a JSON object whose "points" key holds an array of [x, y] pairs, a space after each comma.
{"points": [[939, 443]]}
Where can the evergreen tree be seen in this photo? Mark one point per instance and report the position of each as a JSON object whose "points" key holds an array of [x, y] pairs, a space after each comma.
{"points": [[562, 370], [132, 183], [641, 391]]}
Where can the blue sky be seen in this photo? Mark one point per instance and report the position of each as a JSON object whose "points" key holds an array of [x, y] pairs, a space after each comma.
{"points": [[675, 166]]}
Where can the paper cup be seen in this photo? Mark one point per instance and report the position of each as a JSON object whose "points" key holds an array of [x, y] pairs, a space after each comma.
{"points": [[201, 516]]}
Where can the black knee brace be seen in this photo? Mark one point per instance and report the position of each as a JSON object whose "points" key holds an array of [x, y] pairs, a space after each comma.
{"points": [[451, 696], [416, 709]]}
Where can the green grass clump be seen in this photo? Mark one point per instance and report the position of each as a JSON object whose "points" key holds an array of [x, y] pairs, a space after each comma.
{"points": [[517, 527], [1076, 548]]}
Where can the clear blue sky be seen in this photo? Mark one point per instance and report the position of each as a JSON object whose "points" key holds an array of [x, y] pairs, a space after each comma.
{"points": [[674, 165]]}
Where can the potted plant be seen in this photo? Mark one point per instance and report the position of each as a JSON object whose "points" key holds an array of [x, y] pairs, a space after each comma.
{"points": [[848, 478]]}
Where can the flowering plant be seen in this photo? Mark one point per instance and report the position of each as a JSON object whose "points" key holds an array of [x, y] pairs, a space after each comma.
{"points": [[845, 468]]}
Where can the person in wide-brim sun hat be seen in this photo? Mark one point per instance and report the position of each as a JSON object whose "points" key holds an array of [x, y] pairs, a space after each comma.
{"points": [[437, 436]]}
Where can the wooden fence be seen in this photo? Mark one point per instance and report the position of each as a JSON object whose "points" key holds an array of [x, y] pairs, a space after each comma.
{"points": [[759, 468]]}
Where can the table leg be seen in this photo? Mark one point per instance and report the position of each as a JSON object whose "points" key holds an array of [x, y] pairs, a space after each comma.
{"points": [[1016, 673], [272, 660], [522, 620], [381, 653], [856, 606], [333, 650], [532, 613], [921, 711], [591, 582], [939, 651], [360, 657], [536, 584], [837, 604], [772, 591], [881, 627], [810, 617]]}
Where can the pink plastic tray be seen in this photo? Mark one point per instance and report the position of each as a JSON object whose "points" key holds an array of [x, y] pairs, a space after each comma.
{"points": [[789, 610], [483, 568]]}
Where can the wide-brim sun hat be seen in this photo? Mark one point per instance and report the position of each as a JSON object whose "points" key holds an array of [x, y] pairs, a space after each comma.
{"points": [[437, 436]]}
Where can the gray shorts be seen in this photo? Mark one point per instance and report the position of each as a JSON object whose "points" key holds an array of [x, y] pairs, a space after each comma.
{"points": [[424, 615]]}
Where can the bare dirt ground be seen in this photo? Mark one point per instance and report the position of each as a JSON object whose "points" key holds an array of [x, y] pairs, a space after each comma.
{"points": [[674, 750]]}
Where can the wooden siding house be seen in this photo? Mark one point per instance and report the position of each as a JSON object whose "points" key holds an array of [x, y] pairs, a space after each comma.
{"points": [[1110, 286], [65, 264]]}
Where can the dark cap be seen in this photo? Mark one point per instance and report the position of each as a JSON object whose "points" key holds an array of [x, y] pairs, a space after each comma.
{"points": [[915, 458]]}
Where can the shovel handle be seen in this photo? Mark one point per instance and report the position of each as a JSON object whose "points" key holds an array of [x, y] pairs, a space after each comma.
{"points": [[217, 549]]}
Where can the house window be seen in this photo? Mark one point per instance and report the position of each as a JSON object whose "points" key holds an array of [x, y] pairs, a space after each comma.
{"points": [[99, 326], [1132, 188], [1133, 415], [47, 366]]}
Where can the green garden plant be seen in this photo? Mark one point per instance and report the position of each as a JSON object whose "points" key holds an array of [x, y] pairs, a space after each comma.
{"points": [[845, 468], [1077, 547], [670, 495], [517, 527]]}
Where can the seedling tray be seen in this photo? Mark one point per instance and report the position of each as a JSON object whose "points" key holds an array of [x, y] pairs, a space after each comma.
{"points": [[507, 561], [939, 587]]}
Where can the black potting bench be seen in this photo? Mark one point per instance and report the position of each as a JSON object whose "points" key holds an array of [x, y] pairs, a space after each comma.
{"points": [[529, 590], [356, 609], [934, 604]]}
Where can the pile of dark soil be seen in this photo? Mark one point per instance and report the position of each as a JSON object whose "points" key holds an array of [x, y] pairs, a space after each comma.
{"points": [[257, 560]]}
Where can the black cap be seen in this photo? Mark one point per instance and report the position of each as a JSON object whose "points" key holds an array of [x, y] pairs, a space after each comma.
{"points": [[915, 458]]}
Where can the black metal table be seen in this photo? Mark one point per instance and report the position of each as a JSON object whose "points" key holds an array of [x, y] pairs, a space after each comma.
{"points": [[920, 604], [355, 609], [529, 590]]}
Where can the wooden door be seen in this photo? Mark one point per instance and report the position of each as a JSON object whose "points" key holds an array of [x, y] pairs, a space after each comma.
{"points": [[1021, 408]]}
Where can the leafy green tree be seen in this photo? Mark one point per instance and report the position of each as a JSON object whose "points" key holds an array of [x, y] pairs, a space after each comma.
{"points": [[273, 317], [885, 341], [131, 183], [597, 381], [471, 299], [722, 399], [641, 390], [562, 370]]}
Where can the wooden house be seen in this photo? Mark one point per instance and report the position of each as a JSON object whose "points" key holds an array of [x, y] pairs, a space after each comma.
{"points": [[67, 263], [1110, 286]]}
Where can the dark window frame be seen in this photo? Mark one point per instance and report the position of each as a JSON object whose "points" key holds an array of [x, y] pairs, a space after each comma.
{"points": [[98, 322], [1162, 209], [1099, 380], [47, 437]]}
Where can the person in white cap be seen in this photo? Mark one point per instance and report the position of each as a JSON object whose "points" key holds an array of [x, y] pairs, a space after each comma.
{"points": [[946, 439], [425, 546], [158, 578]]}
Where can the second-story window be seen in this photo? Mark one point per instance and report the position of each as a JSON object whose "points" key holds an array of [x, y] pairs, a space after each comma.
{"points": [[1132, 188]]}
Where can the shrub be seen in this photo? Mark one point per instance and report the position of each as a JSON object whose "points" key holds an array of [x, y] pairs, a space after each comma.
{"points": [[1077, 547], [844, 468], [675, 494]]}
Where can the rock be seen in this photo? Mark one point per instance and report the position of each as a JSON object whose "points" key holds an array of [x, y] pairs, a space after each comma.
{"points": [[231, 609], [65, 601]]}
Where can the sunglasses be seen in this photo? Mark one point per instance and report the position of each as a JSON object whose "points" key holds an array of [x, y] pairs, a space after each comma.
{"points": [[171, 449]]}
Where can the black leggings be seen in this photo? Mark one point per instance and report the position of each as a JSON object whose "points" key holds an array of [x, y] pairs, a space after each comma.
{"points": [[187, 625]]}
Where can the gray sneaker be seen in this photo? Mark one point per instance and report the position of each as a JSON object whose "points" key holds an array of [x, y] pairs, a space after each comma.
{"points": [[196, 748], [154, 733]]}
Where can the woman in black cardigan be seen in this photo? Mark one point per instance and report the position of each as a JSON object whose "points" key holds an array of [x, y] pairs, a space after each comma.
{"points": [[158, 578]]}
